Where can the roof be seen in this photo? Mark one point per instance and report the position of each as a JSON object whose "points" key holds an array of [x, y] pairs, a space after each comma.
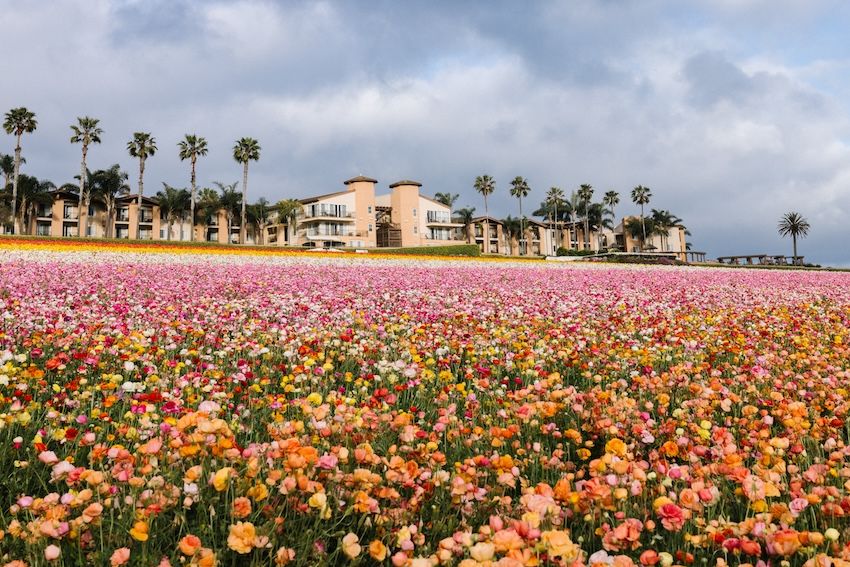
{"points": [[433, 200], [135, 196], [309, 200], [405, 182], [489, 219], [61, 191], [360, 178]]}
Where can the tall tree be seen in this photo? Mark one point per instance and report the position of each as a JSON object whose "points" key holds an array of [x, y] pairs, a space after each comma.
{"points": [[554, 197], [520, 189], [585, 193], [191, 147], [106, 186], [230, 200], [259, 214], [142, 146], [512, 228], [485, 185], [611, 199], [465, 216], [32, 193], [287, 213], [86, 132], [208, 205], [7, 167], [793, 224], [173, 204], [448, 199], [244, 151], [641, 196], [19, 121]]}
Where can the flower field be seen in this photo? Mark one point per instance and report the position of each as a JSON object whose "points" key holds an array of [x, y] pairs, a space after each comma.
{"points": [[214, 409]]}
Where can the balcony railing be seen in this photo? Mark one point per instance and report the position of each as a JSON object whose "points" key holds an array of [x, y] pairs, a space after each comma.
{"points": [[439, 216], [146, 217], [327, 214], [70, 214], [331, 232]]}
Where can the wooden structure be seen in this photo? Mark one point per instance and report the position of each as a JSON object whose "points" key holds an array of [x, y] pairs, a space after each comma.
{"points": [[761, 260]]}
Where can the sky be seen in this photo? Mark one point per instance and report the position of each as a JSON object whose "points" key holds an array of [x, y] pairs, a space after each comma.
{"points": [[733, 112]]}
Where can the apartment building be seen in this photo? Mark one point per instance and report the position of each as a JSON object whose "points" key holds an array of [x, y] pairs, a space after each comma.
{"points": [[64, 218], [673, 240], [359, 218]]}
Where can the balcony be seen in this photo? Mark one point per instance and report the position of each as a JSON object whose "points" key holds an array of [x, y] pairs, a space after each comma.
{"points": [[315, 232], [70, 214], [44, 213], [123, 215], [146, 217]]}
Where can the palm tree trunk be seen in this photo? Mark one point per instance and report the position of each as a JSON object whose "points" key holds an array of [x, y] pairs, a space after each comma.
{"points": [[80, 232], [486, 227], [139, 197], [521, 231], [23, 213], [15, 225], [243, 229], [794, 240], [192, 203], [643, 230], [586, 226]]}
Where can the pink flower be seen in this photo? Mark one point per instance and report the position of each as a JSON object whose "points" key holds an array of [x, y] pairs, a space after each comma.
{"points": [[52, 552], [120, 556], [672, 517], [48, 457]]}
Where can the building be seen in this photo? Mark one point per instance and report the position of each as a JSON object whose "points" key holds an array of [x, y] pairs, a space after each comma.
{"points": [[359, 218], [673, 240]]}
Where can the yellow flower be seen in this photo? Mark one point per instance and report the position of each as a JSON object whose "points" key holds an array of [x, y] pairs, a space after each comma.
{"points": [[140, 531], [482, 551], [616, 446], [559, 545], [351, 546], [315, 398], [242, 537], [221, 477]]}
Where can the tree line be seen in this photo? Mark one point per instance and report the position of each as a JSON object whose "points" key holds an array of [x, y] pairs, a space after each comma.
{"points": [[106, 185]]}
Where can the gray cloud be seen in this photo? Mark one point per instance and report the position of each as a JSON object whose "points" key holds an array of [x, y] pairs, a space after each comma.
{"points": [[729, 119]]}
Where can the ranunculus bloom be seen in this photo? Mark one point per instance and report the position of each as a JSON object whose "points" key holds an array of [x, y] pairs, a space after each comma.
{"points": [[241, 507], [351, 546], [672, 517], [189, 545], [558, 544], [52, 552], [139, 531], [120, 556], [242, 537], [482, 551], [377, 550]]}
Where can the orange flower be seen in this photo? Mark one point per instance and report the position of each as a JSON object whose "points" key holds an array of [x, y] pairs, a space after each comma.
{"points": [[139, 532], [241, 507], [377, 550], [190, 545]]}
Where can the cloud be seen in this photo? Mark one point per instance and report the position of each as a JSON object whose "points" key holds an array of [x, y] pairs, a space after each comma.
{"points": [[708, 104]]}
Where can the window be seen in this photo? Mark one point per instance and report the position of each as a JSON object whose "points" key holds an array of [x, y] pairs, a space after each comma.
{"points": [[91, 210], [414, 212], [369, 210], [370, 228], [162, 234], [89, 231], [326, 210], [438, 216], [69, 230], [415, 229], [43, 229]]}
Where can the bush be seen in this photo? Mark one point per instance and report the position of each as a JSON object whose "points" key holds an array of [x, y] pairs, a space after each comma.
{"points": [[570, 252], [454, 250]]}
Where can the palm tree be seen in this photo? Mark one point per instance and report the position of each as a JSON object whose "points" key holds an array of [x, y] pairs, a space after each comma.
{"points": [[485, 185], [231, 201], [512, 228], [190, 148], [107, 185], [664, 220], [585, 193], [611, 199], [520, 189], [554, 197], [448, 199], [31, 194], [259, 214], [86, 132], [287, 212], [465, 215], [173, 203], [209, 203], [142, 146], [19, 121], [641, 196], [245, 150], [7, 167], [795, 225]]}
